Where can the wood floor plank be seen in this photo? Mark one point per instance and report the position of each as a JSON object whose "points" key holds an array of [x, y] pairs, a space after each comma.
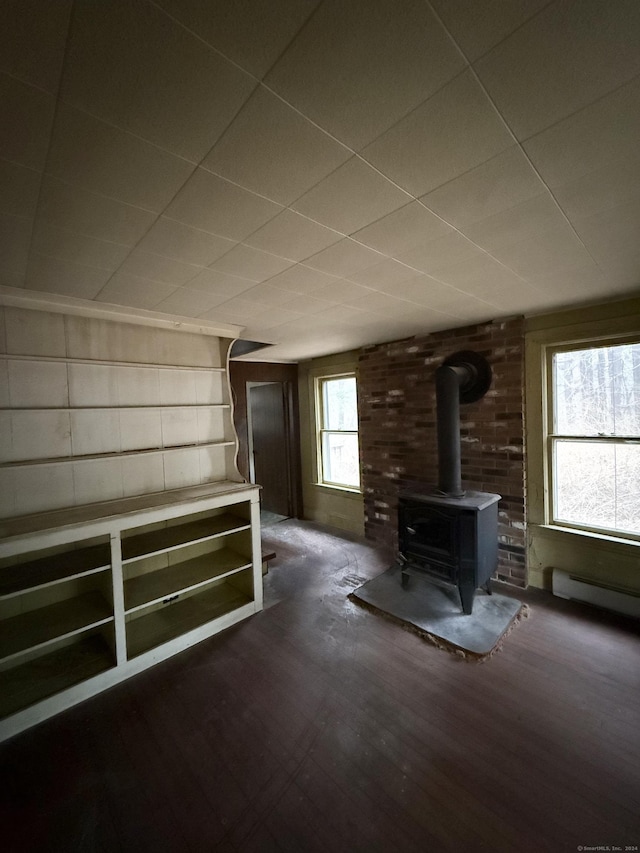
{"points": [[319, 726]]}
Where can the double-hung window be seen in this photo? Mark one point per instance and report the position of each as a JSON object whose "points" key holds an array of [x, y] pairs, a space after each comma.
{"points": [[593, 435], [337, 431]]}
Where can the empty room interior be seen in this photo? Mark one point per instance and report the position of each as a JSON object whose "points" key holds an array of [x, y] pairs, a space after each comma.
{"points": [[319, 425]]}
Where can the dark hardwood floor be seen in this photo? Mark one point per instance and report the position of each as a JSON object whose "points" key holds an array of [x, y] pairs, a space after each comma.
{"points": [[319, 726]]}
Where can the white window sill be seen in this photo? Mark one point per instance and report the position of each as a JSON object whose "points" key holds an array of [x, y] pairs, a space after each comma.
{"points": [[342, 489], [590, 534]]}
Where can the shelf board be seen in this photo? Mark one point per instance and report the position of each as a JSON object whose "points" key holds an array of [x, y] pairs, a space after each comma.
{"points": [[168, 538], [47, 624], [49, 674], [47, 570], [182, 577], [160, 626]]}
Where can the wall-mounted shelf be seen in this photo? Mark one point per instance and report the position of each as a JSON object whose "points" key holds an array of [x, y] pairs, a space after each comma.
{"points": [[90, 596]]}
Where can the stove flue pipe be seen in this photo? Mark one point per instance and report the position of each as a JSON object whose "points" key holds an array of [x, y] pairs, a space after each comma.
{"points": [[464, 377], [449, 380]]}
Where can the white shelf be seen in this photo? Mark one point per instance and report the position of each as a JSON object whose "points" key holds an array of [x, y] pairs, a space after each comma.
{"points": [[38, 628], [161, 541], [182, 577], [47, 675], [66, 567], [46, 571], [158, 627]]}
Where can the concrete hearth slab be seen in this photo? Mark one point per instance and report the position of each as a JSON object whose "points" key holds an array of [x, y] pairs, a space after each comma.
{"points": [[434, 611]]}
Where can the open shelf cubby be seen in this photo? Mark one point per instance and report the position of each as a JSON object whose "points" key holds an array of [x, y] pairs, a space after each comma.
{"points": [[110, 589]]}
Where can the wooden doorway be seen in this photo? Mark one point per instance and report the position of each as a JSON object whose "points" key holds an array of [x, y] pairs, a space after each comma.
{"points": [[268, 421]]}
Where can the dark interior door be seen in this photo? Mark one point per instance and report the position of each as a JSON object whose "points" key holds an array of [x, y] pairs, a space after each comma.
{"points": [[268, 413]]}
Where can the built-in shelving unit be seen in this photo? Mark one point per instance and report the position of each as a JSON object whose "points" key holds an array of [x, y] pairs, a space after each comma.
{"points": [[108, 590]]}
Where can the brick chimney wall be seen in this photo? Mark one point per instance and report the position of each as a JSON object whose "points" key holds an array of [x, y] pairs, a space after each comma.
{"points": [[398, 441]]}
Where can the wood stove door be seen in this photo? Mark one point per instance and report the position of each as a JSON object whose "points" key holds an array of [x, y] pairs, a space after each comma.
{"points": [[428, 539]]}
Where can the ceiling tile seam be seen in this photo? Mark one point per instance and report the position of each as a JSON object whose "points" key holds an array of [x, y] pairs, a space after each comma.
{"points": [[502, 40], [517, 142], [297, 33], [179, 190], [423, 274], [28, 83], [445, 222], [56, 97], [199, 38]]}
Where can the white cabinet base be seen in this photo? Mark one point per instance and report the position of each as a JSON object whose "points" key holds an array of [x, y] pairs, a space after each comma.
{"points": [[183, 566]]}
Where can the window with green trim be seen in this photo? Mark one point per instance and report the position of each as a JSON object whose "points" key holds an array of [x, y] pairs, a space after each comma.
{"points": [[593, 436], [337, 431]]}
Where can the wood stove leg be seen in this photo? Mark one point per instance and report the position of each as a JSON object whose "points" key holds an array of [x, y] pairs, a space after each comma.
{"points": [[487, 587], [467, 591]]}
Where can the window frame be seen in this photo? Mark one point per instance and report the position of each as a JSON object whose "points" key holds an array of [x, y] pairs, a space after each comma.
{"points": [[551, 438], [321, 431]]}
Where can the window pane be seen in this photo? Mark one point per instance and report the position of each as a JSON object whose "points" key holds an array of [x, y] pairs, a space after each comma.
{"points": [[340, 462], [597, 391], [598, 485], [340, 404]]}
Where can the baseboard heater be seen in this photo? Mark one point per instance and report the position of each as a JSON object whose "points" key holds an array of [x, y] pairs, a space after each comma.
{"points": [[622, 601]]}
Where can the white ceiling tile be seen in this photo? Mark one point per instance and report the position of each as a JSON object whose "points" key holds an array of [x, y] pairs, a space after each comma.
{"points": [[188, 302], [477, 27], [274, 151], [403, 229], [488, 281], [269, 295], [219, 207], [27, 115], [159, 268], [561, 60], [214, 282], [19, 188], [246, 262], [306, 304], [70, 246], [344, 258], [599, 134], [291, 235], [455, 130], [386, 273], [33, 35], [241, 308], [621, 270], [105, 160], [431, 293], [344, 314], [52, 275], [383, 303], [75, 209], [351, 197], [518, 223], [302, 279], [269, 319], [500, 183], [122, 81], [581, 283], [251, 34], [131, 290], [612, 231], [358, 87], [435, 254], [15, 237], [600, 190], [183, 243], [547, 252], [341, 291]]}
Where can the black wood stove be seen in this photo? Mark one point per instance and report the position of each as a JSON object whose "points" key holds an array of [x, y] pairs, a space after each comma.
{"points": [[447, 534]]}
